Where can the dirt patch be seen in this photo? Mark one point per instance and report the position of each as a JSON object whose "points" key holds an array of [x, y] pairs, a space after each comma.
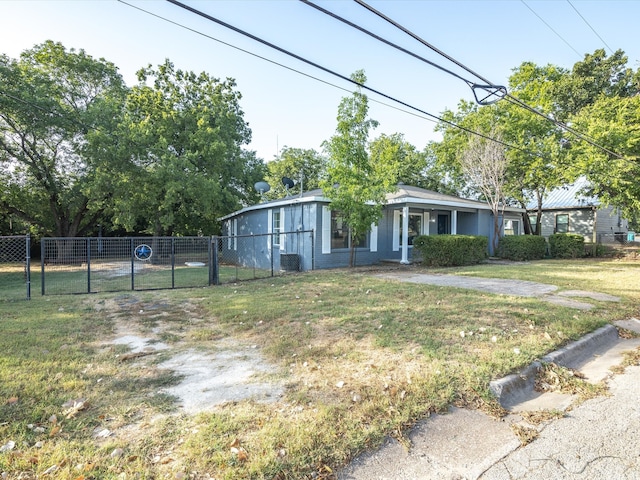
{"points": [[212, 374]]}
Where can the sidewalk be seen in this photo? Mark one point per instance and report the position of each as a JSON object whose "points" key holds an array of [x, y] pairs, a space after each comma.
{"points": [[596, 440]]}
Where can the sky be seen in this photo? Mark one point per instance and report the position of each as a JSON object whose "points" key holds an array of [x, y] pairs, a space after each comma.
{"points": [[287, 102]]}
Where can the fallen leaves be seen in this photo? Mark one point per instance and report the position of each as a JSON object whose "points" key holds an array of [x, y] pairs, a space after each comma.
{"points": [[238, 451], [75, 406]]}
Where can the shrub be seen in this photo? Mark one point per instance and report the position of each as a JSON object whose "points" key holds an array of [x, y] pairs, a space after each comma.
{"points": [[451, 250], [566, 245], [522, 247]]}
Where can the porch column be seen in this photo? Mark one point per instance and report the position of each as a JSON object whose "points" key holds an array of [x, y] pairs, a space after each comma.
{"points": [[405, 235], [454, 222]]}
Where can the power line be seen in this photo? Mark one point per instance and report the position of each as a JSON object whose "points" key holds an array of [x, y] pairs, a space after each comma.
{"points": [[589, 25], [551, 28], [177, 24], [494, 93], [508, 96], [339, 75]]}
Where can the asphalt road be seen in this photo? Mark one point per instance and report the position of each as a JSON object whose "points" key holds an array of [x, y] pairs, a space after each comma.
{"points": [[598, 440]]}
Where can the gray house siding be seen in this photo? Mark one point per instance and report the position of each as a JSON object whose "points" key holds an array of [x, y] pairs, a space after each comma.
{"points": [[608, 222], [429, 213]]}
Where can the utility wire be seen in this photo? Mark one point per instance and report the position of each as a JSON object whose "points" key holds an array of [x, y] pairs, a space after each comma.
{"points": [[508, 96], [494, 92], [268, 59], [551, 28], [589, 25], [339, 75]]}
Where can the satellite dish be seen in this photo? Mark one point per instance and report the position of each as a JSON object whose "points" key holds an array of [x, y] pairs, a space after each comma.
{"points": [[262, 187], [287, 182]]}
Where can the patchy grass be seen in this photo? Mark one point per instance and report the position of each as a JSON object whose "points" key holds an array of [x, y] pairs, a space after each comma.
{"points": [[360, 358]]}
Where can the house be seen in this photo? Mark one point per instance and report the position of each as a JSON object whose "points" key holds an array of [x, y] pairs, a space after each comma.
{"points": [[568, 209], [305, 226]]}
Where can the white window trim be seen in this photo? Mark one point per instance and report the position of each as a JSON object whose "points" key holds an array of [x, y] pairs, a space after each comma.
{"points": [[373, 238], [396, 231], [282, 239], [269, 228], [326, 229]]}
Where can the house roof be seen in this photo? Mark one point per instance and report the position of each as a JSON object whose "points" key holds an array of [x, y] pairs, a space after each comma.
{"points": [[567, 196], [404, 194]]}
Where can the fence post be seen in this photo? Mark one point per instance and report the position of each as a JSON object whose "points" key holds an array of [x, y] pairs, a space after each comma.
{"points": [[271, 249], [214, 268], [42, 260], [131, 250], [28, 265], [88, 265], [173, 263]]}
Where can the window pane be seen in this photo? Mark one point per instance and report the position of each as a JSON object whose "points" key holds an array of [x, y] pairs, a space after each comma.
{"points": [[339, 232], [415, 227], [511, 227], [276, 228], [562, 223]]}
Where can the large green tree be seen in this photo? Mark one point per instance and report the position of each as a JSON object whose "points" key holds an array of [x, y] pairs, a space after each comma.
{"points": [[185, 163], [305, 166], [595, 76], [407, 164], [356, 186], [599, 97], [52, 100], [537, 161], [614, 124]]}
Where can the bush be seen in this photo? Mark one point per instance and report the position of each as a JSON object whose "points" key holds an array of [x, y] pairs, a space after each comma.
{"points": [[566, 245], [451, 250], [522, 247]]}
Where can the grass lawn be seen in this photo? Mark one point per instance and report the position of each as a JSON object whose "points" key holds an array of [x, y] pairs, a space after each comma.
{"points": [[358, 358]]}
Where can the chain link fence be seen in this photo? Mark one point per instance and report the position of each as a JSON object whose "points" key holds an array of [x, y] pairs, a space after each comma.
{"points": [[92, 265], [246, 257], [15, 271], [617, 238]]}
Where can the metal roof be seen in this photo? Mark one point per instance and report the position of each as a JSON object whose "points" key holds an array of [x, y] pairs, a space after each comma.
{"points": [[567, 196]]}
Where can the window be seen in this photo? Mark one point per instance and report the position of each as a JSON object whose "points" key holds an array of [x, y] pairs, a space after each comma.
{"points": [[276, 228], [415, 227], [562, 223], [533, 220], [340, 237], [511, 227]]}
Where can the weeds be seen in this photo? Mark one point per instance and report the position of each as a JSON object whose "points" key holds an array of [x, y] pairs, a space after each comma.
{"points": [[360, 358]]}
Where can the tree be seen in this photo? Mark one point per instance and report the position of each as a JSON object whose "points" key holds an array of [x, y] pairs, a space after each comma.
{"points": [[612, 123], [597, 75], [540, 162], [296, 164], [52, 101], [185, 165], [356, 186], [537, 161], [484, 165], [410, 166]]}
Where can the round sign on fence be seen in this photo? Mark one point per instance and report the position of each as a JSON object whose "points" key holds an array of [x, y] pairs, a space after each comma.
{"points": [[143, 252]]}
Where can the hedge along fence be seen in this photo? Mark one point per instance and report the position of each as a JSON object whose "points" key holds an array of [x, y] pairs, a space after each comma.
{"points": [[522, 247], [451, 250], [566, 245]]}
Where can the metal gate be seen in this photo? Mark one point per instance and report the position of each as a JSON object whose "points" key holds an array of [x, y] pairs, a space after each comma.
{"points": [[105, 264]]}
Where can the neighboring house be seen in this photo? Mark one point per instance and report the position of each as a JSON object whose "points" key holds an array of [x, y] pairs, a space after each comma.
{"points": [[410, 211], [568, 210]]}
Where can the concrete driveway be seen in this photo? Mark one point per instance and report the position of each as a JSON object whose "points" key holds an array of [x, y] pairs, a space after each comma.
{"points": [[499, 286]]}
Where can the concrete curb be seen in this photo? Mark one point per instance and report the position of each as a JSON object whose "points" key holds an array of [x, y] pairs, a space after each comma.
{"points": [[513, 388]]}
